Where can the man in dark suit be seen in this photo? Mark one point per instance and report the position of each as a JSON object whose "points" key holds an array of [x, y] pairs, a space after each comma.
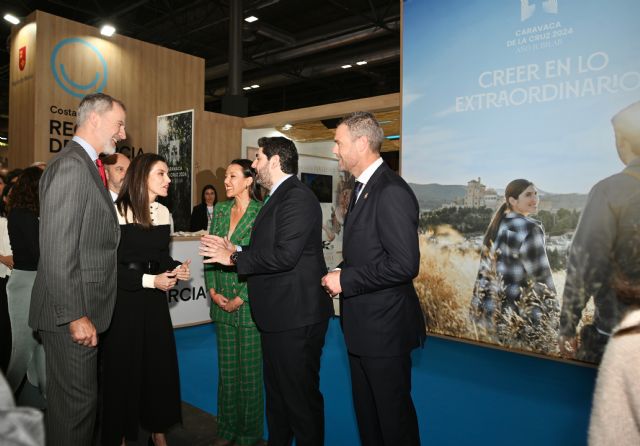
{"points": [[284, 264], [115, 166], [75, 288], [381, 316]]}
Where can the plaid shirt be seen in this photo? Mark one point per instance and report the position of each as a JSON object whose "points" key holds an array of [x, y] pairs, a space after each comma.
{"points": [[224, 279], [521, 255]]}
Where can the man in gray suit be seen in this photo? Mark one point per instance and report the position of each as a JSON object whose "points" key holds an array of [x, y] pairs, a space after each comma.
{"points": [[75, 287]]}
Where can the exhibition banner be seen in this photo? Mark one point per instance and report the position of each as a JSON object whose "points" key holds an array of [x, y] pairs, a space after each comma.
{"points": [[499, 92], [333, 189], [189, 301], [175, 145]]}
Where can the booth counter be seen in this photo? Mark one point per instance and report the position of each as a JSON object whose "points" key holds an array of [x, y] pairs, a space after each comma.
{"points": [[189, 301]]}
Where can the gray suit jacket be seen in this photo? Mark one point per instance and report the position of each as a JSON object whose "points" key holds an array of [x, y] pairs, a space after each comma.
{"points": [[79, 235]]}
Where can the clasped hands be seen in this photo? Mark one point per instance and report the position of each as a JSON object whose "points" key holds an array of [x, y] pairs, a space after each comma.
{"points": [[331, 283], [168, 279], [228, 305], [216, 249]]}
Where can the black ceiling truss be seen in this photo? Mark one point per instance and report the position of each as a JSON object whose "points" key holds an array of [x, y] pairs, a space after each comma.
{"points": [[294, 51]]}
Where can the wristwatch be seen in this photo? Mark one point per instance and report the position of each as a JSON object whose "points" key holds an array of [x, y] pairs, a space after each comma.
{"points": [[233, 258]]}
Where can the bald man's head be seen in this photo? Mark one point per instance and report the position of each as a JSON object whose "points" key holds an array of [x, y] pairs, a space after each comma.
{"points": [[626, 125]]}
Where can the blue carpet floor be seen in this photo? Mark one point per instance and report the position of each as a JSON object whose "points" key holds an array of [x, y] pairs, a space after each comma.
{"points": [[464, 394]]}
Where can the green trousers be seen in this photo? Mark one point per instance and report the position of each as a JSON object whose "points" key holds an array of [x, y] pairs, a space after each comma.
{"points": [[240, 384]]}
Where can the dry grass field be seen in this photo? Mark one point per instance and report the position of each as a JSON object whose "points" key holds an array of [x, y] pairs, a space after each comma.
{"points": [[448, 271]]}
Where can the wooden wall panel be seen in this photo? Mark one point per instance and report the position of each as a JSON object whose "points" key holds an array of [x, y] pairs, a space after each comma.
{"points": [[150, 80], [218, 142], [22, 91]]}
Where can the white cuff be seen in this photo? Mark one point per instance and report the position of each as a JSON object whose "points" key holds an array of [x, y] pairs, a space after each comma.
{"points": [[148, 280]]}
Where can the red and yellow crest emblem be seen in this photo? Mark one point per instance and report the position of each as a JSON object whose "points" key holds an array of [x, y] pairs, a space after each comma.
{"points": [[22, 57]]}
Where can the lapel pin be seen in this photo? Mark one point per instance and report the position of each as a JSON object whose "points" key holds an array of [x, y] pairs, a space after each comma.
{"points": [[366, 195]]}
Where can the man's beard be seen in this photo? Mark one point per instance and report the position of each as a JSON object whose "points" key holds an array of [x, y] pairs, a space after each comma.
{"points": [[264, 179], [109, 149]]}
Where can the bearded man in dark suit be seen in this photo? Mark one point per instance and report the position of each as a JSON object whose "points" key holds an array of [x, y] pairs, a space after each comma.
{"points": [[284, 263]]}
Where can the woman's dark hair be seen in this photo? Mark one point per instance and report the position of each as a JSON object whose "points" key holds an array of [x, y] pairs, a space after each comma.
{"points": [[249, 172], [13, 175], [206, 188], [513, 190], [134, 193], [24, 193]]}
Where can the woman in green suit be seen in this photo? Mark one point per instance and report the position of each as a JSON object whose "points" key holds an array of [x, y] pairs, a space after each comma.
{"points": [[240, 385]]}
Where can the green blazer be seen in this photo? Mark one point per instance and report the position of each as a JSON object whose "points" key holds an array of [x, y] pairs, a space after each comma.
{"points": [[224, 279]]}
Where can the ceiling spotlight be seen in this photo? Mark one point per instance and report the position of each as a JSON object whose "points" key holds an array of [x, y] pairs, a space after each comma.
{"points": [[246, 88], [3, 138], [362, 62], [255, 86], [11, 19], [107, 30], [251, 19], [286, 127], [346, 66]]}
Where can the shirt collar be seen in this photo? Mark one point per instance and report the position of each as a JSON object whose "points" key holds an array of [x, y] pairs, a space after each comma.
{"points": [[282, 180], [366, 175], [87, 147]]}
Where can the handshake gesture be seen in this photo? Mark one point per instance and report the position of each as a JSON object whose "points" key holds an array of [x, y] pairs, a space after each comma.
{"points": [[216, 249]]}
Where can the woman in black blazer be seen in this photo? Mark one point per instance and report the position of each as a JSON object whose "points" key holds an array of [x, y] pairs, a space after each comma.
{"points": [[202, 213]]}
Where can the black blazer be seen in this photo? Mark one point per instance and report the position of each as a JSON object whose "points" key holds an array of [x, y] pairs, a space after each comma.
{"points": [[380, 311], [198, 218], [284, 261]]}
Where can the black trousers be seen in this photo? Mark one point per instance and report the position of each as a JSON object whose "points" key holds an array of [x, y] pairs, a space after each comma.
{"points": [[5, 326], [381, 390], [294, 404]]}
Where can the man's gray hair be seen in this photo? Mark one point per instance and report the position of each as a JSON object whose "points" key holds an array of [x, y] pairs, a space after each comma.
{"points": [[365, 124], [96, 102], [627, 123]]}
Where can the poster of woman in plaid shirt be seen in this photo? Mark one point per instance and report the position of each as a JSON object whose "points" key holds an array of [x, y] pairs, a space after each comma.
{"points": [[514, 297]]}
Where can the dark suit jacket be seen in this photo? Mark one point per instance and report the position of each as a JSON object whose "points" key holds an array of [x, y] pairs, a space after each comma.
{"points": [[380, 311], [284, 261], [79, 234], [198, 218]]}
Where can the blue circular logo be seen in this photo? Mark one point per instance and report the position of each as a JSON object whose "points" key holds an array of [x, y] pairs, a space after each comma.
{"points": [[61, 76]]}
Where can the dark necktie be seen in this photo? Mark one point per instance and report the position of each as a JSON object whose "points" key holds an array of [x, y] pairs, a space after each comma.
{"points": [[103, 175], [354, 196]]}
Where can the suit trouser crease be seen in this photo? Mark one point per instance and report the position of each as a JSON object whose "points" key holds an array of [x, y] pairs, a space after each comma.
{"points": [[72, 393], [381, 388], [240, 384], [295, 406]]}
